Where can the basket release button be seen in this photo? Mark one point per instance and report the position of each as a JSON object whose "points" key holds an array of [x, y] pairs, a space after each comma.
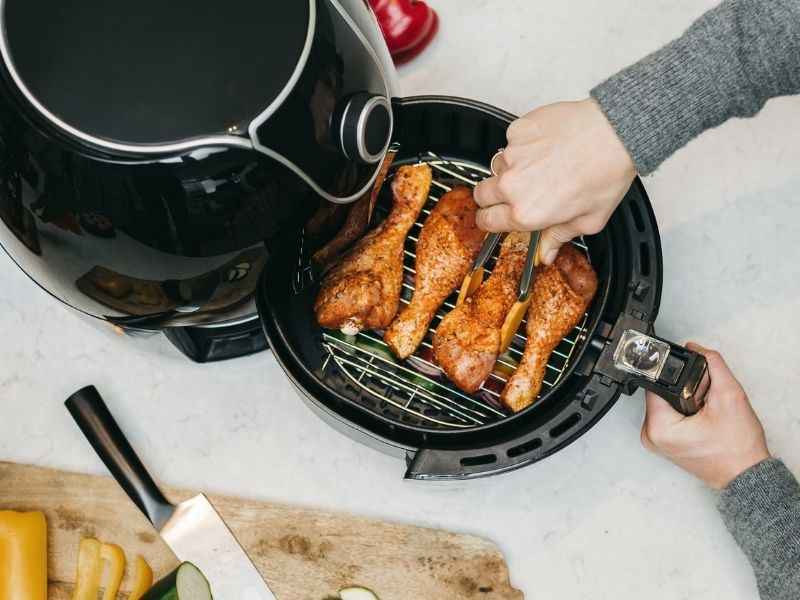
{"points": [[641, 354]]}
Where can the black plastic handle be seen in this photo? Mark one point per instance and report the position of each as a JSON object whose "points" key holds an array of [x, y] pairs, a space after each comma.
{"points": [[684, 380], [98, 425], [634, 357]]}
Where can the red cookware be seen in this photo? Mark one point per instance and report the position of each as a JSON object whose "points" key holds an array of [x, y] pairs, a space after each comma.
{"points": [[408, 26]]}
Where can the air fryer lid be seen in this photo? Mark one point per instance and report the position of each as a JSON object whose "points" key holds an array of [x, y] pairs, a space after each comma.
{"points": [[151, 78], [165, 71]]}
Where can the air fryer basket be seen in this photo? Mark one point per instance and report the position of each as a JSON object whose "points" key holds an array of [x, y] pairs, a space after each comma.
{"points": [[357, 385]]}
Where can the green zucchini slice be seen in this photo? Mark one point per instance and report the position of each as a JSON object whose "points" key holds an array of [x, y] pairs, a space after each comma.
{"points": [[184, 583]]}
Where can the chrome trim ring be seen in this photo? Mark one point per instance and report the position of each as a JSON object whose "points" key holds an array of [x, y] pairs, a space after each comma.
{"points": [[342, 121], [362, 123]]}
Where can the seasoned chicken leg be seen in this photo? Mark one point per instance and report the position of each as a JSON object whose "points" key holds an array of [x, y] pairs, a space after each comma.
{"points": [[358, 218], [447, 246], [561, 293], [363, 290], [467, 341], [354, 225]]}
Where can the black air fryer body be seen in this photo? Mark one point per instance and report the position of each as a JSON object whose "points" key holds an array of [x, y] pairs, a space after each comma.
{"points": [[150, 152], [160, 164]]}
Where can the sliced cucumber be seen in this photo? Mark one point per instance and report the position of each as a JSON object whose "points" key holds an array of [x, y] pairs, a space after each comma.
{"points": [[184, 583], [192, 584], [423, 382], [350, 339], [349, 342], [377, 349], [357, 593]]}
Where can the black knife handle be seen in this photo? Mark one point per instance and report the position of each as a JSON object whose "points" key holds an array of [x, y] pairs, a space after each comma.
{"points": [[98, 425]]}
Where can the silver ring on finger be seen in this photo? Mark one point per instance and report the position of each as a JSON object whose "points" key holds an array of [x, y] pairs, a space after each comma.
{"points": [[493, 162]]}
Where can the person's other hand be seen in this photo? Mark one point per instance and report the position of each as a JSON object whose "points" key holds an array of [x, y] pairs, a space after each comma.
{"points": [[721, 441], [563, 172]]}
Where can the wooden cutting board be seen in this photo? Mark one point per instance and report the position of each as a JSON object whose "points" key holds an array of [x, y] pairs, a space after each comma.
{"points": [[304, 554]]}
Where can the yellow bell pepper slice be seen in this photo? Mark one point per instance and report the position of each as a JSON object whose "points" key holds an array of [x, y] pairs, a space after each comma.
{"points": [[143, 580], [114, 557], [92, 555], [90, 568], [23, 556]]}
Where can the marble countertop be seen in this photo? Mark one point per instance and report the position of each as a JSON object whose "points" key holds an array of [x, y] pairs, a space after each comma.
{"points": [[601, 519]]}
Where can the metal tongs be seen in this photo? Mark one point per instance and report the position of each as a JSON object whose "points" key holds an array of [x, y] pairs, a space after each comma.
{"points": [[517, 312], [474, 279]]}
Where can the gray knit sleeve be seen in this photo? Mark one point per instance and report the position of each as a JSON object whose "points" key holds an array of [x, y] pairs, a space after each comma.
{"points": [[761, 509], [728, 64]]}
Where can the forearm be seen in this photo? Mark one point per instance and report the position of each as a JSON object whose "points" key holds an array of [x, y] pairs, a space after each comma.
{"points": [[761, 509], [728, 64]]}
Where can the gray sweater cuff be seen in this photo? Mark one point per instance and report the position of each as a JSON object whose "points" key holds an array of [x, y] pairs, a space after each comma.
{"points": [[660, 103], [728, 64], [761, 509]]}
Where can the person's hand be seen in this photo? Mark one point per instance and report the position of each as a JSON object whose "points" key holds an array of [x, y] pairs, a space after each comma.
{"points": [[721, 441], [563, 172]]}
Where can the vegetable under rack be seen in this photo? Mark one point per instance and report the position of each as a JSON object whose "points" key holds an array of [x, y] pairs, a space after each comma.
{"points": [[415, 391]]}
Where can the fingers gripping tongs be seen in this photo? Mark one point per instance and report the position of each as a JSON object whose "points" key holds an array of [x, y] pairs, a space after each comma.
{"points": [[474, 278]]}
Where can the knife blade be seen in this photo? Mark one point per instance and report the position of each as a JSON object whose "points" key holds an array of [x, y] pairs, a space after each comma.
{"points": [[193, 529]]}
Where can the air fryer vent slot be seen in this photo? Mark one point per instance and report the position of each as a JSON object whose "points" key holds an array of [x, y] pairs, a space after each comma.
{"points": [[638, 219], [415, 391], [474, 461], [528, 446], [565, 425], [644, 259]]}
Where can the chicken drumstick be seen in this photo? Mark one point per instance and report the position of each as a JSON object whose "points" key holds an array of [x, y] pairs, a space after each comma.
{"points": [[447, 246], [363, 290], [467, 341], [561, 294]]}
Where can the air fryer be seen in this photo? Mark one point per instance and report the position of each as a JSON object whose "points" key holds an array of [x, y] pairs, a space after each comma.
{"points": [[159, 167], [150, 151]]}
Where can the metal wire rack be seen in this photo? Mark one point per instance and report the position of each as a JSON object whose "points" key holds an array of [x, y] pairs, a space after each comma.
{"points": [[415, 390]]}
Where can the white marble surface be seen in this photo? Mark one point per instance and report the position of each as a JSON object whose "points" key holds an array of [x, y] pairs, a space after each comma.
{"points": [[602, 519]]}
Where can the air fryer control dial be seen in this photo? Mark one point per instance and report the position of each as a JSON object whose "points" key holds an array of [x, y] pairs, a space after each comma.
{"points": [[361, 127]]}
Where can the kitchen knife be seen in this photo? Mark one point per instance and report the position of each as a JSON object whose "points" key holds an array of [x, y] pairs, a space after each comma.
{"points": [[192, 529]]}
